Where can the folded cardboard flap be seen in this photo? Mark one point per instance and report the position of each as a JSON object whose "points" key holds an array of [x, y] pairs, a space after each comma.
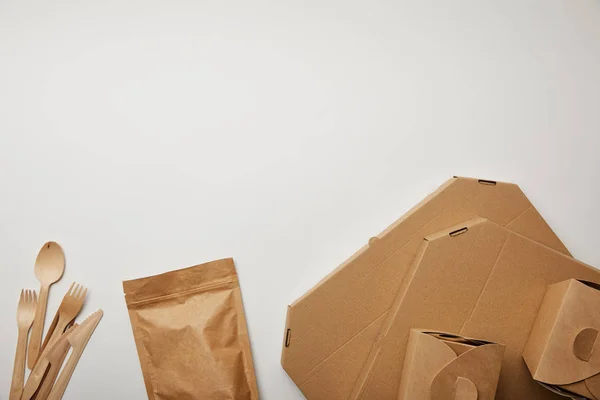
{"points": [[563, 348], [440, 366], [332, 328]]}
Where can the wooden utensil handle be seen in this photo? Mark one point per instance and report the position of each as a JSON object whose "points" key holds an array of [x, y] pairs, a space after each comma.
{"points": [[57, 332], [65, 376], [51, 374], [49, 332], [16, 386], [35, 340], [33, 381], [50, 377]]}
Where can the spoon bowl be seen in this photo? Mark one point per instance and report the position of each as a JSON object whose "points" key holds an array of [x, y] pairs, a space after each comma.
{"points": [[50, 263]]}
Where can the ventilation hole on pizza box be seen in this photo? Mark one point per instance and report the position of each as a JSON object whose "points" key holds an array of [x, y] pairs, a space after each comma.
{"points": [[288, 336], [458, 231], [486, 182]]}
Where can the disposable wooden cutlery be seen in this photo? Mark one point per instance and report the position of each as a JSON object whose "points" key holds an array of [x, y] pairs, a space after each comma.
{"points": [[56, 356], [78, 340], [67, 311], [25, 316], [49, 267], [44, 367]]}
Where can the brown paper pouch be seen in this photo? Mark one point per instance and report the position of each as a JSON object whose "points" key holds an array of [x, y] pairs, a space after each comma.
{"points": [[190, 332]]}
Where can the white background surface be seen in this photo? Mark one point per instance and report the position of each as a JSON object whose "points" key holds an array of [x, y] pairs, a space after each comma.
{"points": [[151, 135]]}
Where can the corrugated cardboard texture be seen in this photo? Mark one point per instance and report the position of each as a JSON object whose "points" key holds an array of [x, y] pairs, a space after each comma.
{"points": [[439, 366], [562, 346], [331, 329], [487, 282]]}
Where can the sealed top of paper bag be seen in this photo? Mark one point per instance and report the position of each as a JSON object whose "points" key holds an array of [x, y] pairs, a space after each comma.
{"points": [[179, 281], [331, 329]]}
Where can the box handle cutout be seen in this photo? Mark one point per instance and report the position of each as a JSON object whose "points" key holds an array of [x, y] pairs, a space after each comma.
{"points": [[486, 182], [458, 232], [287, 338]]}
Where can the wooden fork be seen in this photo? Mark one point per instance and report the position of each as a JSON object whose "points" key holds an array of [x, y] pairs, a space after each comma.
{"points": [[25, 316], [67, 311]]}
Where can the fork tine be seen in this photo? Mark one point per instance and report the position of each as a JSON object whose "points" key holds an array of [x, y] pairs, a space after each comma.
{"points": [[34, 297], [22, 297], [70, 291], [75, 290], [83, 294]]}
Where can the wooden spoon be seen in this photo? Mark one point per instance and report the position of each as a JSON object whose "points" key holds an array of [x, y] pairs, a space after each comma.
{"points": [[49, 267]]}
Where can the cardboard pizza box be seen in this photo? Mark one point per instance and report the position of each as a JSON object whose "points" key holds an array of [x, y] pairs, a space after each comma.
{"points": [[331, 329]]}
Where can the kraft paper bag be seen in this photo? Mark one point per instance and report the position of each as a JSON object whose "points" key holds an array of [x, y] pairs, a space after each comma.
{"points": [[191, 336]]}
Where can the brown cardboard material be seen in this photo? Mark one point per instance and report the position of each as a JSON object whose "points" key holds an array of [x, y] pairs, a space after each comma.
{"points": [[477, 279], [440, 366], [190, 332], [562, 350], [331, 329]]}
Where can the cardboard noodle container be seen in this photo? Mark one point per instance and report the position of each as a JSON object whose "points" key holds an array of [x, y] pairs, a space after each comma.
{"points": [[331, 330], [562, 351], [440, 366]]}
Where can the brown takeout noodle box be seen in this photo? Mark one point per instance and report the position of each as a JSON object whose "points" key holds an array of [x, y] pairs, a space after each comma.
{"points": [[563, 352], [477, 279], [443, 366], [331, 329]]}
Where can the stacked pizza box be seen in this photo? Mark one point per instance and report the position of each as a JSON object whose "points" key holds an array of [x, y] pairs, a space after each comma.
{"points": [[469, 295]]}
